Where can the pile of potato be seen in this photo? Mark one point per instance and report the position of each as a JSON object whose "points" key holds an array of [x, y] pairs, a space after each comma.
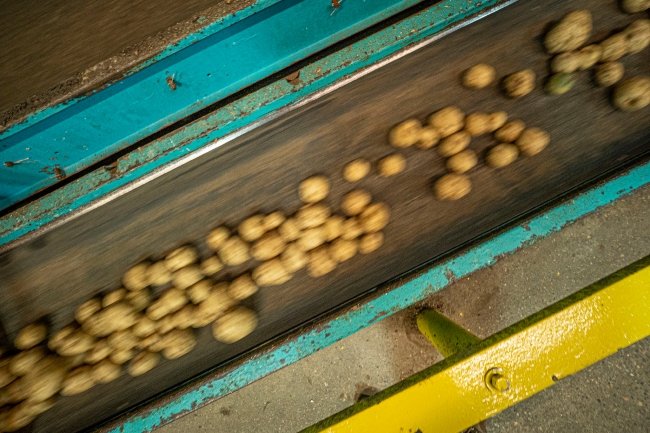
{"points": [[452, 131], [160, 304], [312, 238], [566, 41]]}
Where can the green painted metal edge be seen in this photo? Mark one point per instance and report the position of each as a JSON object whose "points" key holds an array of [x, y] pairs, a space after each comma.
{"points": [[190, 142]]}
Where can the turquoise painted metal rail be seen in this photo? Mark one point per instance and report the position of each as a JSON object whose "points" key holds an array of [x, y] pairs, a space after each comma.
{"points": [[73, 136], [216, 129], [385, 304]]}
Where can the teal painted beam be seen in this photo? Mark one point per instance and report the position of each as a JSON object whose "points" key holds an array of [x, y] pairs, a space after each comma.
{"points": [[192, 141], [417, 289], [169, 89]]}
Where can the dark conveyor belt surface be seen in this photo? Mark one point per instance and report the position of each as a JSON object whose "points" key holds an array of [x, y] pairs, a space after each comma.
{"points": [[261, 170]]}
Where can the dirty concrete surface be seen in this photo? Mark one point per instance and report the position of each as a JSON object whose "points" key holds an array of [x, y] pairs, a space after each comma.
{"points": [[610, 396], [53, 49]]}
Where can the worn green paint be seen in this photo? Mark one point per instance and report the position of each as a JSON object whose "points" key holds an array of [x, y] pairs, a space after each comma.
{"points": [[258, 106]]}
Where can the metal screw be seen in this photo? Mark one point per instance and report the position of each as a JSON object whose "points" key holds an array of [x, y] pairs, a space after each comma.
{"points": [[496, 381]]}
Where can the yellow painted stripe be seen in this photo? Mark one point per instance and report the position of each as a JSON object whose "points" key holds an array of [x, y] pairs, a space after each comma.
{"points": [[557, 342]]}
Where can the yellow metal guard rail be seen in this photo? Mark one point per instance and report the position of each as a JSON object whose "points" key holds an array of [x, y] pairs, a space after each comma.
{"points": [[481, 378]]}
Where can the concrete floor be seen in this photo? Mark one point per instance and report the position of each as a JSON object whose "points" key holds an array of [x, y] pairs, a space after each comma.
{"points": [[610, 396]]}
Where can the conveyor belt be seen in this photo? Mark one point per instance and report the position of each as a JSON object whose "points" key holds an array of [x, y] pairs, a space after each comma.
{"points": [[260, 171]]}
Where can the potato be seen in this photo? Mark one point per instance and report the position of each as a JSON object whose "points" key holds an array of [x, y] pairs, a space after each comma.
{"points": [[136, 278], [144, 327], [497, 120], [252, 228], [351, 228], [510, 132], [106, 371], [502, 155], [294, 258], [370, 242], [116, 317], [355, 202], [273, 220], [477, 124], [454, 143], [58, 338], [77, 381], [614, 47], [112, 297], [634, 6], [199, 292], [76, 343], [121, 356], [290, 230], [184, 318], [271, 273], [638, 35], [23, 362], [268, 246], [181, 257], [320, 262], [312, 215], [559, 84], [342, 250], [479, 76], [18, 417], [152, 342], [170, 301], [589, 56], [87, 309], [334, 227], [242, 287], [166, 324], [314, 189], [375, 217], [142, 363], [139, 299], [46, 378], [100, 351], [392, 165], [452, 187], [447, 121], [123, 340], [234, 251], [234, 325], [158, 274], [429, 137], [214, 306], [217, 237], [519, 84], [211, 266], [75, 360], [609, 73], [17, 390], [312, 238], [462, 162], [570, 33], [405, 134], [30, 336], [6, 376], [356, 170], [566, 62], [187, 277], [532, 141], [632, 94], [178, 342]]}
